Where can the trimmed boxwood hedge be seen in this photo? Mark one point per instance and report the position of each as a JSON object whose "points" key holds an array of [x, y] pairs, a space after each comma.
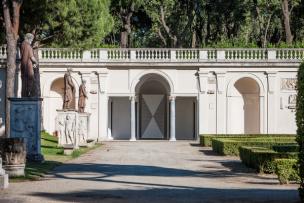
{"points": [[286, 148], [230, 146], [262, 159], [206, 140], [287, 170]]}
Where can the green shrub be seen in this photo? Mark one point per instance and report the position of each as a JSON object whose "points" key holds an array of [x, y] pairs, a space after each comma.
{"points": [[300, 125], [286, 148], [206, 140], [287, 170], [261, 158], [230, 146]]}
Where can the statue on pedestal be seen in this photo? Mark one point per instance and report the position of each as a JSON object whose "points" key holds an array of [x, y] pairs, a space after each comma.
{"points": [[82, 97], [28, 63], [69, 91]]}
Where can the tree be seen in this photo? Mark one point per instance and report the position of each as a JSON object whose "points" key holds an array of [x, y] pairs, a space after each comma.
{"points": [[300, 127], [124, 11], [11, 13], [76, 23], [287, 8]]}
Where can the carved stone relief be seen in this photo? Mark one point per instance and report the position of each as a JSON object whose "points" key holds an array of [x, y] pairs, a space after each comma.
{"points": [[83, 130], [23, 125], [292, 99], [66, 129], [288, 84]]}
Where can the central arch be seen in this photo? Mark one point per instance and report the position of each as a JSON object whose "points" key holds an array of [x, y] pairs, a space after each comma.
{"points": [[152, 92]]}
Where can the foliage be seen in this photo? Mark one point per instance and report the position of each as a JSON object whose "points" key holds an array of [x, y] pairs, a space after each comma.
{"points": [[262, 158], [230, 146], [287, 170], [286, 148], [206, 140], [300, 126], [67, 23]]}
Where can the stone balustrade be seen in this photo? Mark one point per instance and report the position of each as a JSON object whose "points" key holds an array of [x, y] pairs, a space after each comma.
{"points": [[166, 55]]}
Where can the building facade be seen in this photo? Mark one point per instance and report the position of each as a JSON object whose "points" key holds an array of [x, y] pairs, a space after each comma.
{"points": [[172, 94]]}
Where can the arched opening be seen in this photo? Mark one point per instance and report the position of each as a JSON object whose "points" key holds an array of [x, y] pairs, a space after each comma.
{"points": [[55, 99], [245, 107], [152, 92]]}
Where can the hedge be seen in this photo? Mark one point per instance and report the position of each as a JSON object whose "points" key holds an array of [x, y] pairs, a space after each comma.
{"points": [[287, 170], [262, 159], [300, 126], [206, 140], [286, 148], [225, 146]]}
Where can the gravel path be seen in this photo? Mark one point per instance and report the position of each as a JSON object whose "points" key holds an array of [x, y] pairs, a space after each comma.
{"points": [[152, 171]]}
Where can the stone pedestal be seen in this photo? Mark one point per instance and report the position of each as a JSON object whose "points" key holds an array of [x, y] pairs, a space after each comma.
{"points": [[26, 123], [67, 128], [83, 128], [13, 152], [3, 177], [72, 128]]}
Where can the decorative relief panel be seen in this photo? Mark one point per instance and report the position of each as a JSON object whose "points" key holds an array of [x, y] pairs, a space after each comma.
{"points": [[288, 84], [292, 99]]}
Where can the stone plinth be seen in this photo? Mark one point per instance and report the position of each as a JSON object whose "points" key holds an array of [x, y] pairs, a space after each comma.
{"points": [[83, 128], [68, 149], [13, 151], [72, 128], [26, 123], [67, 128], [3, 177]]}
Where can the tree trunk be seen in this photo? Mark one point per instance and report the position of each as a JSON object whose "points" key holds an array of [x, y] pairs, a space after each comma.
{"points": [[193, 41], [286, 15], [124, 39], [11, 20], [10, 78]]}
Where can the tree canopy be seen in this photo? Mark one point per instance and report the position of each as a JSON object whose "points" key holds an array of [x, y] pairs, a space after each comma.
{"points": [[164, 23]]}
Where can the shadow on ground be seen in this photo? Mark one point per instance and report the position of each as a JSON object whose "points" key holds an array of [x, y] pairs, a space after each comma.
{"points": [[186, 195]]}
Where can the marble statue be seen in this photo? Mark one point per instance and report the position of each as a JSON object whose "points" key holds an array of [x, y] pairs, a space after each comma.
{"points": [[28, 63], [69, 90], [82, 97]]}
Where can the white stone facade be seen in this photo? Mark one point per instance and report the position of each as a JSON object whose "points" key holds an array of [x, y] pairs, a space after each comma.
{"points": [[175, 94]]}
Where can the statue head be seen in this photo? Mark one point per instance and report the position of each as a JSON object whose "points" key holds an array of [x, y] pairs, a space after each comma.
{"points": [[29, 37], [69, 70]]}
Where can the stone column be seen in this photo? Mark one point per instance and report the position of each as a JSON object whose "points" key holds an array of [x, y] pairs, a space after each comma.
{"points": [[203, 103], [221, 102], [272, 103], [103, 107], [172, 118], [133, 118]]}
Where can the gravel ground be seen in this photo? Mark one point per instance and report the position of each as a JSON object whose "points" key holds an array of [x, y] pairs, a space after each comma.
{"points": [[152, 171]]}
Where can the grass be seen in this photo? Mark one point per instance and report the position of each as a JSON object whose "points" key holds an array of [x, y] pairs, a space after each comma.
{"points": [[53, 156]]}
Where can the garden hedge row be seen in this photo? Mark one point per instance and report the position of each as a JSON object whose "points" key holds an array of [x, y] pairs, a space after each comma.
{"points": [[286, 148], [263, 159], [206, 140], [225, 146], [287, 170]]}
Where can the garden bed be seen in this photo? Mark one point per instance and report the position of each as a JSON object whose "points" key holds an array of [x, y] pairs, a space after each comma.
{"points": [[230, 146], [206, 140], [263, 159]]}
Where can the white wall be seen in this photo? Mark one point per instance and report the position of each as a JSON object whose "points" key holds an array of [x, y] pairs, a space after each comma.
{"points": [[121, 114], [185, 118]]}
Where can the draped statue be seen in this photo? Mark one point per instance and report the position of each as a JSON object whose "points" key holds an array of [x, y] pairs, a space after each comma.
{"points": [[82, 97], [28, 63], [69, 91]]}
